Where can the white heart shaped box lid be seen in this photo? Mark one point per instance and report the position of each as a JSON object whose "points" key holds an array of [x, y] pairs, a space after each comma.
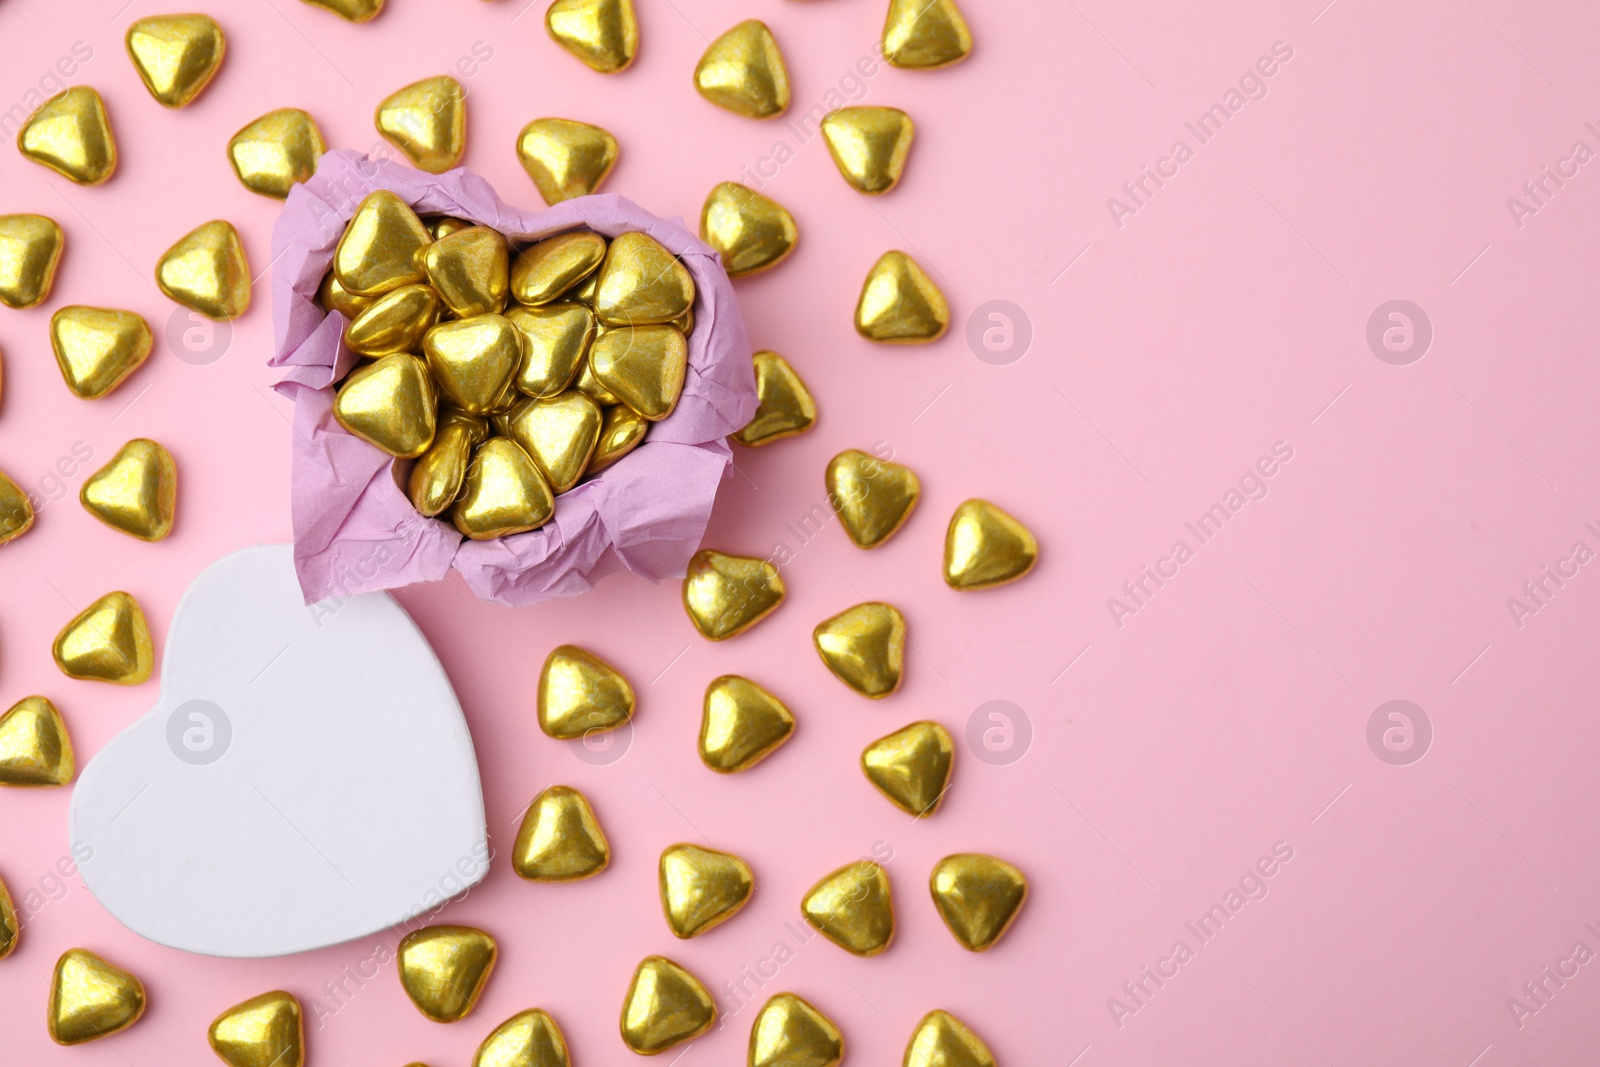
{"points": [[306, 777]]}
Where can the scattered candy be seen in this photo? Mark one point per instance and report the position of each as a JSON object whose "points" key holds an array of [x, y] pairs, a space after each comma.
{"points": [[789, 1032], [394, 322], [742, 725], [351, 10], [550, 267], [473, 360], [641, 283], [621, 431], [580, 693], [785, 408], [912, 767], [107, 642], [470, 269], [642, 366], [527, 1039], [16, 513], [443, 969], [865, 647], [565, 158], [941, 1040], [665, 1005], [10, 932], [206, 271], [555, 342], [136, 492], [504, 493], [276, 151], [702, 888], [175, 55], [96, 348], [34, 747], [427, 120], [978, 897], [900, 304], [751, 232], [869, 145], [852, 908], [30, 249], [560, 839], [873, 497], [382, 247], [726, 595], [71, 135], [390, 403], [264, 1031], [985, 547], [91, 999], [924, 34], [602, 33], [743, 71]]}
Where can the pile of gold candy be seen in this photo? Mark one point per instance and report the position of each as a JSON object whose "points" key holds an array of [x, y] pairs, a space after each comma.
{"points": [[503, 408]]}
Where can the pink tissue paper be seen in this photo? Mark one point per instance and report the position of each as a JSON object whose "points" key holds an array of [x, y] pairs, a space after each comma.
{"points": [[355, 530]]}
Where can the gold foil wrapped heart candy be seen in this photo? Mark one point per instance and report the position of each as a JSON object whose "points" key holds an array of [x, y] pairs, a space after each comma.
{"points": [[16, 510], [978, 897], [527, 1039], [443, 969], [427, 120], [942, 1040], [641, 283], [869, 145], [206, 271], [390, 404], [925, 34], [751, 232], [702, 888], [71, 135], [873, 497], [96, 348], [900, 304], [30, 250], [91, 999], [382, 247], [580, 693], [985, 547], [555, 340], [912, 767], [350, 10], [602, 33], [564, 158], [10, 932], [504, 493], [621, 431], [34, 747], [276, 151], [439, 473], [176, 55], [789, 1032], [642, 366], [742, 724], [560, 433], [865, 648], [546, 269], [471, 270], [395, 322], [852, 907], [474, 360], [108, 641], [665, 1006], [560, 840], [726, 595], [785, 408], [743, 71], [264, 1031], [137, 492]]}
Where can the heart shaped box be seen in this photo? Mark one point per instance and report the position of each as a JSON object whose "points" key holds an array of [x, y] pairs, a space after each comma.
{"points": [[355, 530]]}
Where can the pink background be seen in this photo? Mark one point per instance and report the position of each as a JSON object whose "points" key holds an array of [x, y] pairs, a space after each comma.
{"points": [[1168, 354]]}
